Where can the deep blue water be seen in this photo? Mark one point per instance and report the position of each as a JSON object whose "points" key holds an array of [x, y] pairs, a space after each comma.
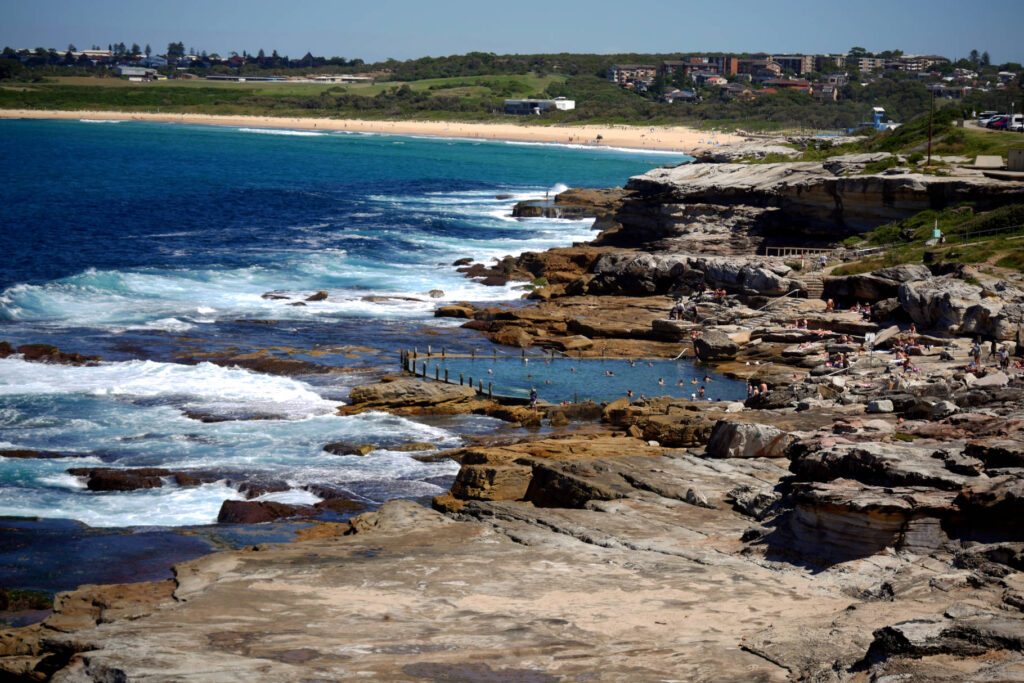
{"points": [[152, 244]]}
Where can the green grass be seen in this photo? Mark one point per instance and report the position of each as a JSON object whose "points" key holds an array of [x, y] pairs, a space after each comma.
{"points": [[992, 236], [475, 97]]}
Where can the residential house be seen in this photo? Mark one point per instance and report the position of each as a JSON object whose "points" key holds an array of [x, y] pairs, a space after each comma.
{"points": [[677, 95], [759, 69], [632, 75], [824, 92], [798, 84]]}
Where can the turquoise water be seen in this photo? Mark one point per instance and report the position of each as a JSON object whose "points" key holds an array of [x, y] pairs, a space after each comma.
{"points": [[143, 241], [569, 379]]}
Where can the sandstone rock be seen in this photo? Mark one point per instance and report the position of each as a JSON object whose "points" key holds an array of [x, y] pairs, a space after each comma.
{"points": [[997, 452], [513, 335], [992, 379], [747, 440], [255, 512], [938, 303], [878, 464], [346, 448], [319, 296], [943, 409], [111, 479], [438, 293], [492, 482], [995, 319], [843, 520], [875, 286], [454, 311], [47, 353], [880, 405], [410, 392], [715, 346], [574, 343], [758, 503], [948, 637]]}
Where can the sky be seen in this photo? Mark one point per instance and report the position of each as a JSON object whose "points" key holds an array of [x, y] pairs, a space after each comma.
{"points": [[375, 30]]}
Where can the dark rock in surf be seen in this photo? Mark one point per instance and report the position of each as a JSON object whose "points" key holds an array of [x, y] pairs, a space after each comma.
{"points": [[255, 512]]}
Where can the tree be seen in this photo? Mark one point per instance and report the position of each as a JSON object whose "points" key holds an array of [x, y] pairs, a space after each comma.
{"points": [[985, 61], [858, 52], [72, 48], [136, 49], [175, 50], [148, 50], [974, 57]]}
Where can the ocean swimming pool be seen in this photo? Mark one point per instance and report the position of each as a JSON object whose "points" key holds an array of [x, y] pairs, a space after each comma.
{"points": [[570, 379]]}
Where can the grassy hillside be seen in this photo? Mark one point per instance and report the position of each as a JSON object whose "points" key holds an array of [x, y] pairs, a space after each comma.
{"points": [[992, 239]]}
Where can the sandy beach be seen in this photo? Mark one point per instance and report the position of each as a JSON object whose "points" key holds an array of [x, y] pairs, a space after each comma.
{"points": [[665, 138]]}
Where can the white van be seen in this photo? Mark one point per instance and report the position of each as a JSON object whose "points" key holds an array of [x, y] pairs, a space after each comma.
{"points": [[1016, 123]]}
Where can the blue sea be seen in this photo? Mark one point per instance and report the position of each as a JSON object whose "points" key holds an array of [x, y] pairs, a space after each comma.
{"points": [[153, 245]]}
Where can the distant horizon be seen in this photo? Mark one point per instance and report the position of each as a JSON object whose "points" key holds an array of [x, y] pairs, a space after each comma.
{"points": [[404, 29]]}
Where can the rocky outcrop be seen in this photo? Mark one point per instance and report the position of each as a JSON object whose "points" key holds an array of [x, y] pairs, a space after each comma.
{"points": [[574, 203], [730, 439], [875, 286], [46, 353], [255, 512], [938, 303], [715, 346], [409, 392], [812, 197], [111, 479], [647, 274]]}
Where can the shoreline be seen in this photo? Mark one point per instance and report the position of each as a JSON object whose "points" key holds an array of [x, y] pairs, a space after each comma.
{"points": [[678, 139]]}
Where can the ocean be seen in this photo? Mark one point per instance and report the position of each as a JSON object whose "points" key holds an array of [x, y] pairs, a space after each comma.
{"points": [[153, 245]]}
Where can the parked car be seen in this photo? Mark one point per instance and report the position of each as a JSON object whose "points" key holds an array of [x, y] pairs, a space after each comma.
{"points": [[998, 122], [1016, 123], [984, 117]]}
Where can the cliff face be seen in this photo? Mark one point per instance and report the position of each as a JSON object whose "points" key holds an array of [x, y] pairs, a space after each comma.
{"points": [[724, 208]]}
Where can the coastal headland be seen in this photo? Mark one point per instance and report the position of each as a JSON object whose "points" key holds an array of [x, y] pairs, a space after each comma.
{"points": [[856, 517], [662, 138]]}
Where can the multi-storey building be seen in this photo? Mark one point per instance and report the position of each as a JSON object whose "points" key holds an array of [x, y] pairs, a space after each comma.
{"points": [[632, 74]]}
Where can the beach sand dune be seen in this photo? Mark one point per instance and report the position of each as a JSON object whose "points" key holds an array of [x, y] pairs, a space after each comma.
{"points": [[661, 138]]}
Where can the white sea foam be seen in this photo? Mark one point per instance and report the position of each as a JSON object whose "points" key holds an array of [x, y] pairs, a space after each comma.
{"points": [[101, 120], [282, 131], [165, 506], [205, 386]]}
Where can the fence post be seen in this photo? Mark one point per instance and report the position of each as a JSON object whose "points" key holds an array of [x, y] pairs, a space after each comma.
{"points": [[460, 380], [472, 353], [446, 375], [575, 397], [490, 390], [444, 352], [424, 369], [437, 372]]}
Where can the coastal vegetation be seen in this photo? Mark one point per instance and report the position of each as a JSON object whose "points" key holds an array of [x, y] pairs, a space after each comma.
{"points": [[990, 238], [466, 87]]}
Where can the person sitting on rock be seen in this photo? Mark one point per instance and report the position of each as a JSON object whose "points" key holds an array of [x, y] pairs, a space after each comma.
{"points": [[830, 306], [700, 392]]}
